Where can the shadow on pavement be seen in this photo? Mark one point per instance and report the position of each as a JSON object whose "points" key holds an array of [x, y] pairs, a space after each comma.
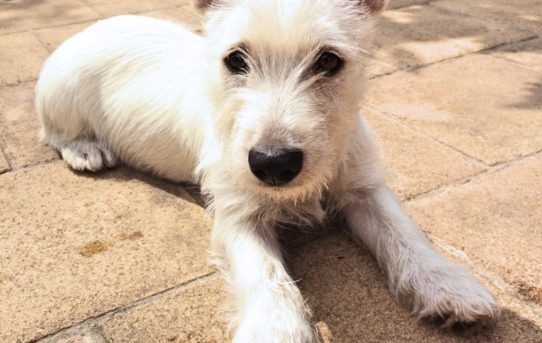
{"points": [[351, 303]]}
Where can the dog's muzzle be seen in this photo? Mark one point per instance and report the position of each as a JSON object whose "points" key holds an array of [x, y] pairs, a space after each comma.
{"points": [[275, 167]]}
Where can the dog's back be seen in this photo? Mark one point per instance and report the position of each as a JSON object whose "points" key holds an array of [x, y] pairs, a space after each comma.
{"points": [[99, 98]]}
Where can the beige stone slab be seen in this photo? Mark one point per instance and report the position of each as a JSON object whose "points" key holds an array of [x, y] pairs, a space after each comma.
{"points": [[420, 35], [52, 37], [110, 8], [75, 245], [525, 14], [527, 53], [194, 314], [4, 164], [91, 335], [19, 15], [345, 290], [497, 220], [350, 301], [394, 4], [185, 14], [484, 106], [19, 127], [418, 164], [22, 56], [375, 68]]}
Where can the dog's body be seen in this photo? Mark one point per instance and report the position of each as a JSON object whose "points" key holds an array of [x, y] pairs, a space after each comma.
{"points": [[263, 112]]}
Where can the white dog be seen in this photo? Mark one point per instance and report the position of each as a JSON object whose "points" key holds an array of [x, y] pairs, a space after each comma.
{"points": [[263, 112]]}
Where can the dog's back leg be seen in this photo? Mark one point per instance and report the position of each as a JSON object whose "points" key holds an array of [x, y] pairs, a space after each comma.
{"points": [[68, 107], [65, 128], [82, 153]]}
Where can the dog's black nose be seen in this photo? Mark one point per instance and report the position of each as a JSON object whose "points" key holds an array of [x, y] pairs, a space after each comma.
{"points": [[275, 167]]}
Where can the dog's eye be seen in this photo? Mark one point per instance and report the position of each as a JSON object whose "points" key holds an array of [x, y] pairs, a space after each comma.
{"points": [[236, 62], [328, 63]]}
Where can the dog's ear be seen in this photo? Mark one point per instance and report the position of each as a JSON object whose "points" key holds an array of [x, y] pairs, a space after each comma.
{"points": [[203, 5], [374, 7]]}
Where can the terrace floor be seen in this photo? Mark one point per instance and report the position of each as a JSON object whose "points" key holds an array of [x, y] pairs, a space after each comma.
{"points": [[456, 98]]}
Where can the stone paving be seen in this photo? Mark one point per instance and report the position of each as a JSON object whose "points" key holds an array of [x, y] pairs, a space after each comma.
{"points": [[456, 98]]}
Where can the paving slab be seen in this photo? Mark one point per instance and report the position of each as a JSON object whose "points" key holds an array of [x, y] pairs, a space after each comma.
{"points": [[375, 67], [4, 164], [19, 126], [484, 106], [528, 53], [185, 14], [22, 56], [20, 15], [110, 8], [52, 37], [394, 4], [76, 245], [347, 294], [497, 220], [417, 163], [525, 14], [197, 313], [350, 301], [92, 335], [419, 35]]}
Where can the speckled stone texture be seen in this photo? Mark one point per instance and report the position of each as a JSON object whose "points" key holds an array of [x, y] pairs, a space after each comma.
{"points": [[86, 244], [489, 110]]}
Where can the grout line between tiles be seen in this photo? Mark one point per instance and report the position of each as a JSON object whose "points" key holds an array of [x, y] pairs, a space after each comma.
{"points": [[95, 321], [490, 170]]}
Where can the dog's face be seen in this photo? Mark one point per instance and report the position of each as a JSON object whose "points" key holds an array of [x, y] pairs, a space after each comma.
{"points": [[286, 79]]}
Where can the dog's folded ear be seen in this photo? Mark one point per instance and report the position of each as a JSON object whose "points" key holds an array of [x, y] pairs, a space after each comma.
{"points": [[203, 5], [374, 7]]}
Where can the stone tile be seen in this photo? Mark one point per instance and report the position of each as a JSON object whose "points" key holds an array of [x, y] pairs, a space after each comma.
{"points": [[22, 56], [527, 53], [4, 164], [19, 127], [52, 37], [76, 245], [497, 220], [350, 301], [89, 336], [374, 67], [74, 339], [345, 289], [418, 164], [194, 314], [22, 15], [525, 14], [394, 4], [110, 8], [185, 14], [484, 106], [420, 35]]}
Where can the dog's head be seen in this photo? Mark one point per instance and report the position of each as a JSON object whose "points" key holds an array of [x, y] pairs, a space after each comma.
{"points": [[285, 78]]}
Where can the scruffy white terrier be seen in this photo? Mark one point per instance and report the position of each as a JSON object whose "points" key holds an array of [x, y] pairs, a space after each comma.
{"points": [[263, 111]]}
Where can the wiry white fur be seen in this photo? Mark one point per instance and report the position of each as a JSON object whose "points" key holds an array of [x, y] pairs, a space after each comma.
{"points": [[153, 95]]}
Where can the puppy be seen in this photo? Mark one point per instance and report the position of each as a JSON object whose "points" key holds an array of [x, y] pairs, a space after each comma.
{"points": [[263, 111]]}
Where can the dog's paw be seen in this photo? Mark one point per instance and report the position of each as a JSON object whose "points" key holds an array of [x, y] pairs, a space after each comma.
{"points": [[267, 330], [450, 294], [87, 155]]}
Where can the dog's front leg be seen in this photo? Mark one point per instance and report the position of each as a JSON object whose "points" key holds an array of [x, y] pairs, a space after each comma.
{"points": [[418, 275], [269, 305]]}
